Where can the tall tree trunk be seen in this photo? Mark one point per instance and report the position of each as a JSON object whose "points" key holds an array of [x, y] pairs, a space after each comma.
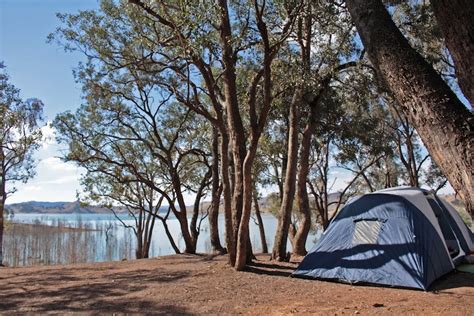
{"points": [[298, 236], [456, 21], [226, 189], [281, 237], [190, 246], [261, 227], [299, 241], [444, 124], [234, 120], [216, 197], [243, 232]]}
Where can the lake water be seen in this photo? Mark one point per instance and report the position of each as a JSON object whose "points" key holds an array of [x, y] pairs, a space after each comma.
{"points": [[106, 239]]}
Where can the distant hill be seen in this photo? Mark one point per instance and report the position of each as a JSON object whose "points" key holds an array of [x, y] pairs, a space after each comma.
{"points": [[58, 207]]}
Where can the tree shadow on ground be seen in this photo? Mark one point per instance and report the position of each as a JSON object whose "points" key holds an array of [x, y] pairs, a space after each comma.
{"points": [[107, 293], [272, 268]]}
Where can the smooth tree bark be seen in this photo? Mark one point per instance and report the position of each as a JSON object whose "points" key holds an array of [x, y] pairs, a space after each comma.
{"points": [[195, 225], [301, 234], [216, 197], [257, 122], [227, 191], [279, 252], [456, 21], [444, 124], [261, 225], [234, 119]]}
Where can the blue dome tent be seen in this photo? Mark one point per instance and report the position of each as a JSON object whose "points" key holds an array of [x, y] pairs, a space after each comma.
{"points": [[401, 237]]}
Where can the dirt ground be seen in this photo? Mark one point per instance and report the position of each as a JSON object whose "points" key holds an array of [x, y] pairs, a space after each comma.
{"points": [[202, 284]]}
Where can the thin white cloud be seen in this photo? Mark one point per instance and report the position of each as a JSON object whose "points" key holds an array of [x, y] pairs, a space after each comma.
{"points": [[49, 137], [56, 164], [55, 179]]}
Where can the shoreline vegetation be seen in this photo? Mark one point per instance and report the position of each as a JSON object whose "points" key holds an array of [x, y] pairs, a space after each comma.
{"points": [[61, 227], [63, 242]]}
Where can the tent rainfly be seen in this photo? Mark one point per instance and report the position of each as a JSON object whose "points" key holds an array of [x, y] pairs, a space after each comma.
{"points": [[400, 237]]}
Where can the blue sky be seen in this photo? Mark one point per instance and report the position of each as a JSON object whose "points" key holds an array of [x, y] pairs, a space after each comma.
{"points": [[43, 71]]}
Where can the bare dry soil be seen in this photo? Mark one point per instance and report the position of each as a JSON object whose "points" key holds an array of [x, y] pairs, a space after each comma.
{"points": [[183, 284]]}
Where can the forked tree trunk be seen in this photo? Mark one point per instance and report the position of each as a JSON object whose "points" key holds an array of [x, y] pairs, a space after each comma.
{"points": [[444, 124], [456, 21], [234, 120], [194, 226], [149, 224], [190, 246], [299, 241], [299, 235], [181, 215], [281, 236]]}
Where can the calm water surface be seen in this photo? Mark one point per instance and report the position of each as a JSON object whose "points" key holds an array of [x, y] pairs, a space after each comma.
{"points": [[105, 238]]}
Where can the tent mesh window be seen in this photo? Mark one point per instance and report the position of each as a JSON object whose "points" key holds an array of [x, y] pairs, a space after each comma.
{"points": [[366, 231]]}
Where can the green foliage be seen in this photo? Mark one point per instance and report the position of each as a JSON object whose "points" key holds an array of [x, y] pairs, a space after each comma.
{"points": [[142, 75], [20, 135]]}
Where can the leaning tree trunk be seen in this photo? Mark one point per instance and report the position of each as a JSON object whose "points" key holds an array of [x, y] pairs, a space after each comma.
{"points": [[456, 21], [281, 237], [170, 236], [261, 227], [444, 124]]}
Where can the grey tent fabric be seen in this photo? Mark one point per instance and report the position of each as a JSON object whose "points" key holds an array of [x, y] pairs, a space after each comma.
{"points": [[384, 239]]}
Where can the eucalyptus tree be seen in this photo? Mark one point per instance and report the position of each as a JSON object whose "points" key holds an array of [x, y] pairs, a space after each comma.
{"points": [[223, 38], [321, 52], [133, 132], [20, 136], [444, 124]]}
